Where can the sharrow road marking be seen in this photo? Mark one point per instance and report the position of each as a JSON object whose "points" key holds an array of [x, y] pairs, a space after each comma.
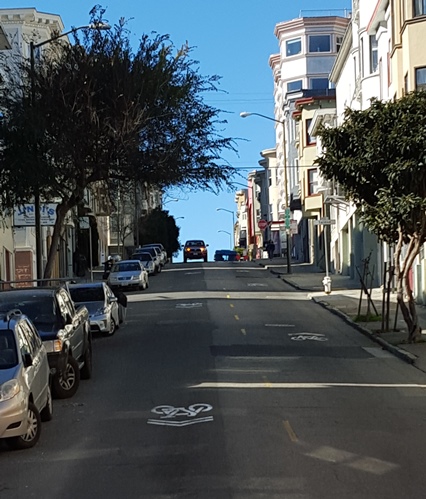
{"points": [[236, 317], [168, 413], [244, 332]]}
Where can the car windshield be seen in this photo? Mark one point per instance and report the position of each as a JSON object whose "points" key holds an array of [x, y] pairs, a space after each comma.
{"points": [[126, 267], [40, 309], [195, 243], [8, 354], [84, 295], [144, 257]]}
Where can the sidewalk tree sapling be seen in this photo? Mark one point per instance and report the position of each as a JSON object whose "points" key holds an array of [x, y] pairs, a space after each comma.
{"points": [[378, 156]]}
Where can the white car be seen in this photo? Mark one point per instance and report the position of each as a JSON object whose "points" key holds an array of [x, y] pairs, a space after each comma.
{"points": [[101, 303], [163, 253], [155, 253], [146, 260], [128, 274], [25, 398]]}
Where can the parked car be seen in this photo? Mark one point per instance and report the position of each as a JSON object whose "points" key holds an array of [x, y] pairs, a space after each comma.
{"points": [[195, 249], [128, 274], [155, 255], [65, 332], [147, 261], [25, 398], [101, 303], [163, 253]]}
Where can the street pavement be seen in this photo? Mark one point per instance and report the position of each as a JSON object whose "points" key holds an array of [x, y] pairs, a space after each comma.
{"points": [[345, 300]]}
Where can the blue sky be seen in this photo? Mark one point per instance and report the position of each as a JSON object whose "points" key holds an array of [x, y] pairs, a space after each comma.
{"points": [[231, 38]]}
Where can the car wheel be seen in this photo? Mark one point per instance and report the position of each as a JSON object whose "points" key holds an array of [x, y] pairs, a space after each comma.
{"points": [[86, 370], [184, 260], [46, 413], [205, 259], [112, 328], [31, 437], [65, 385], [147, 283]]}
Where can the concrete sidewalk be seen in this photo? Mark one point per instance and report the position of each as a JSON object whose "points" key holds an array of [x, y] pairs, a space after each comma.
{"points": [[344, 300]]}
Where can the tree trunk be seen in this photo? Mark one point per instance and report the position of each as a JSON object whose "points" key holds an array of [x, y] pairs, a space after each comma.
{"points": [[405, 295], [61, 211]]}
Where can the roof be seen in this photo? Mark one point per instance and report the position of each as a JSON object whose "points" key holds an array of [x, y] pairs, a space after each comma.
{"points": [[47, 291], [87, 284]]}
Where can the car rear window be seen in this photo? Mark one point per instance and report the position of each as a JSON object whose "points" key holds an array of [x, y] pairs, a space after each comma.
{"points": [[144, 257], [83, 295]]}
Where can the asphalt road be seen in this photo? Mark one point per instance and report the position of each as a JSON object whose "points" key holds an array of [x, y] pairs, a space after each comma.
{"points": [[227, 383]]}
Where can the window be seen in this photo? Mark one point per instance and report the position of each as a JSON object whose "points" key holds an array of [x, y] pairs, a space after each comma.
{"points": [[319, 83], [320, 43], [294, 85], [374, 61], [339, 41], [406, 84], [293, 47], [312, 181], [362, 57], [419, 8], [421, 78], [309, 139]]}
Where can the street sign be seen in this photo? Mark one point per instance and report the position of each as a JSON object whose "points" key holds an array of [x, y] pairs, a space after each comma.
{"points": [[324, 221], [262, 224], [287, 218]]}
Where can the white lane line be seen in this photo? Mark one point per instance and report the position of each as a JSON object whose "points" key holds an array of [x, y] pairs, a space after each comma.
{"points": [[305, 386], [280, 325]]}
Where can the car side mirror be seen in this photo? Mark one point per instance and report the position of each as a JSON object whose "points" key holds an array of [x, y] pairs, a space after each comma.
{"points": [[28, 360]]}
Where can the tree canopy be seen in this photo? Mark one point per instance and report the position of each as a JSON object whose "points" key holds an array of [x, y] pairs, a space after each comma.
{"points": [[379, 157], [106, 113]]}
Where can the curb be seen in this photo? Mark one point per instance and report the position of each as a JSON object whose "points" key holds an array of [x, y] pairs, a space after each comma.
{"points": [[398, 352]]}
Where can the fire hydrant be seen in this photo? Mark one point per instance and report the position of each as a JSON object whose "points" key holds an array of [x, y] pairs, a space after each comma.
{"points": [[327, 284]]}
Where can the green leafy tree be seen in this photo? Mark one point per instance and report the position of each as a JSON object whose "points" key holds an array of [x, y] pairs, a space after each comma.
{"points": [[379, 157], [107, 114], [160, 227]]}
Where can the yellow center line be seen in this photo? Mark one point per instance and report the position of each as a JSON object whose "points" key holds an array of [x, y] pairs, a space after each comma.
{"points": [[236, 317], [244, 331], [292, 436]]}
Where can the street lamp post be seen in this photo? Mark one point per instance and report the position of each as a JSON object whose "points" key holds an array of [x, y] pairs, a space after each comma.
{"points": [[230, 237], [37, 222], [245, 114], [233, 220]]}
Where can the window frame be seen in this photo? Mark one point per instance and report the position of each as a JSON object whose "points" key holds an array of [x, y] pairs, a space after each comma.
{"points": [[374, 54], [294, 89], [293, 40], [419, 8], [312, 182], [421, 86], [309, 140], [310, 37]]}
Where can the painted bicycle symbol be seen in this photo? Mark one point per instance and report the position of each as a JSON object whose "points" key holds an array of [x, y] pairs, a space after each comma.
{"points": [[169, 413], [308, 337]]}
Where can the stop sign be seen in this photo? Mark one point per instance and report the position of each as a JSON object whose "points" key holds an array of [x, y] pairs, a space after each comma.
{"points": [[262, 224]]}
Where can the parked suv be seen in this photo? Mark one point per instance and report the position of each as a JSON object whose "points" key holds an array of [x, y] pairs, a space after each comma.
{"points": [[195, 250], [25, 398], [64, 330]]}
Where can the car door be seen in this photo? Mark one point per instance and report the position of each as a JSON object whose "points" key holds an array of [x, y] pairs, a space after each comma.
{"points": [[31, 373], [112, 303], [72, 334], [40, 364]]}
